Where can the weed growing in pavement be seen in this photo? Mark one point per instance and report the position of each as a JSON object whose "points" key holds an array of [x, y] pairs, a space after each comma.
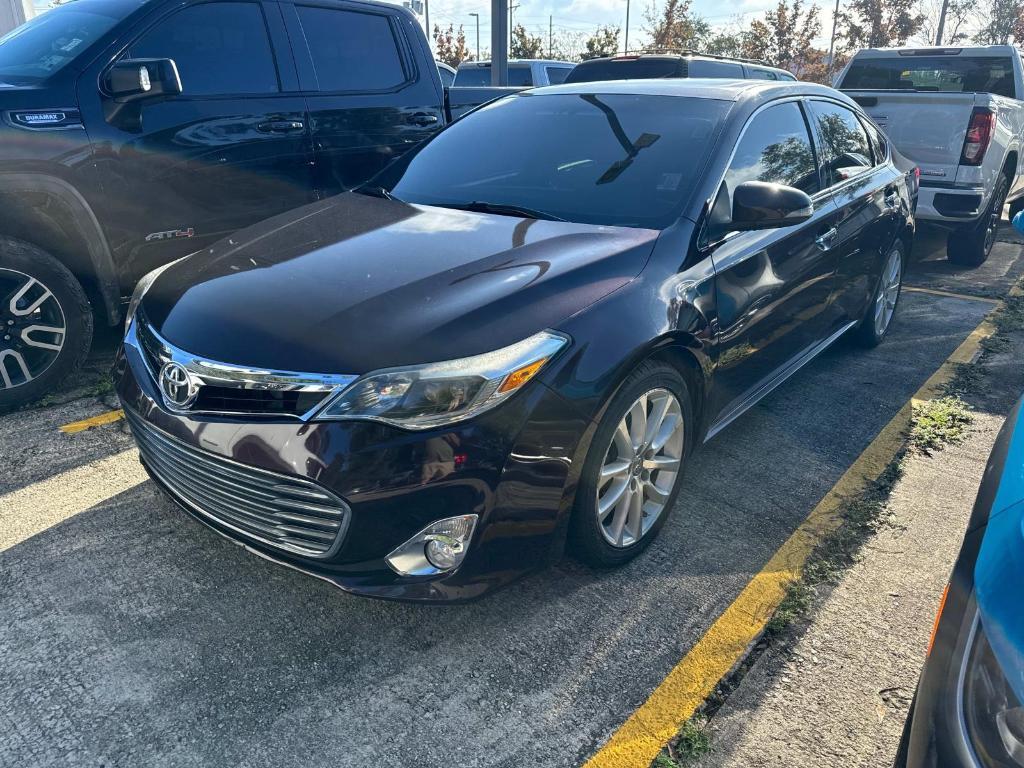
{"points": [[967, 378], [690, 744], [939, 422]]}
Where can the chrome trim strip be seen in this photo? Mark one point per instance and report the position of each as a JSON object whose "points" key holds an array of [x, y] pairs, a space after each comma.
{"points": [[764, 389], [215, 373]]}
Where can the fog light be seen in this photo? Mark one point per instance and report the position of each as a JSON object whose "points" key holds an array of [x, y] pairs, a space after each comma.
{"points": [[438, 548]]}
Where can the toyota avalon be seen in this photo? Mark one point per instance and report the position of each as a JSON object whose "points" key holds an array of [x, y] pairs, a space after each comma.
{"points": [[510, 341]]}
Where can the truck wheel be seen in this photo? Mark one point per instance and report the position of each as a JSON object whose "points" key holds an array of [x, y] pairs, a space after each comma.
{"points": [[45, 323], [970, 246]]}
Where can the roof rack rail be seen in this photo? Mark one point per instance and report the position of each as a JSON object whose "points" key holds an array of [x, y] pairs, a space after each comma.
{"points": [[687, 52]]}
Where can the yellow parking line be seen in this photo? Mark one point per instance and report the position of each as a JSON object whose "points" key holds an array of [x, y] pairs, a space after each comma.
{"points": [[31, 510], [949, 294], [639, 740], [93, 421]]}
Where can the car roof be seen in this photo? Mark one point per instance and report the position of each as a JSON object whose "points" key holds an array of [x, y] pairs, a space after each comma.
{"points": [[513, 62], [947, 50], [701, 88]]}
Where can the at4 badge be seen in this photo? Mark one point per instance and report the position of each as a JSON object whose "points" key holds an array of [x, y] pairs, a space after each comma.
{"points": [[171, 234]]}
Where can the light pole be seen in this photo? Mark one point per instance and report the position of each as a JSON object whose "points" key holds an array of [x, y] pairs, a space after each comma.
{"points": [[426, 11], [477, 17], [625, 42]]}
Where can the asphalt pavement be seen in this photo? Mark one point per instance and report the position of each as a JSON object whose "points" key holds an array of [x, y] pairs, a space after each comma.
{"points": [[130, 635]]}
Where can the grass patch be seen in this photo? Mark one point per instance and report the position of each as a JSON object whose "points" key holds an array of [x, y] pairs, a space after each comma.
{"points": [[940, 422], [690, 744]]}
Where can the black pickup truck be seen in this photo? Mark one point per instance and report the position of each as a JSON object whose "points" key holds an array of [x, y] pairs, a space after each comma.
{"points": [[133, 132]]}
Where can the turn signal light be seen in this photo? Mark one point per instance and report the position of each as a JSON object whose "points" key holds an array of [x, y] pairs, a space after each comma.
{"points": [[520, 376]]}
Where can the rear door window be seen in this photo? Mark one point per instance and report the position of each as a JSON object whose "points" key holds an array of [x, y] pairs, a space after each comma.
{"points": [[557, 75], [480, 76], [775, 147], [352, 50], [844, 144], [943, 74], [705, 68], [218, 48]]}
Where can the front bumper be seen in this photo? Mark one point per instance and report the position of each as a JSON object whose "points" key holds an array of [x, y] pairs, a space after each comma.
{"points": [[512, 467]]}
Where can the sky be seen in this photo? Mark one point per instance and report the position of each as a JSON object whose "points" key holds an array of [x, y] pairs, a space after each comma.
{"points": [[586, 15]]}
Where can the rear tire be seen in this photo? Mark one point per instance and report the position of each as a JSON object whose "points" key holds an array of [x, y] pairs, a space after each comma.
{"points": [[653, 456], [971, 245], [45, 323], [877, 320]]}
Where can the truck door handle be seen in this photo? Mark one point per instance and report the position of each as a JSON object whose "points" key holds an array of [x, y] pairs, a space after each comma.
{"points": [[281, 126], [827, 241], [423, 118]]}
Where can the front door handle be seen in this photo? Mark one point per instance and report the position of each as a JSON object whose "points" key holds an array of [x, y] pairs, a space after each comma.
{"points": [[423, 118], [828, 240], [281, 126]]}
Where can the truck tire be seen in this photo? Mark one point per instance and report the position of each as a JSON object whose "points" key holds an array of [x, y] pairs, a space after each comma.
{"points": [[971, 245], [45, 323]]}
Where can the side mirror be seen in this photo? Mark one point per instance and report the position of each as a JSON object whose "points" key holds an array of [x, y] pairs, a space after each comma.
{"points": [[132, 80], [761, 205]]}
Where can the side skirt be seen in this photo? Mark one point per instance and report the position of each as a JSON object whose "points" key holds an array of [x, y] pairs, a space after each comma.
{"points": [[762, 390]]}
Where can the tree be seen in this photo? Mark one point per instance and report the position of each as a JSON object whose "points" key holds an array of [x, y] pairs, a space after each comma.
{"points": [[451, 45], [525, 45], [604, 42], [958, 14], [1005, 20], [676, 27], [879, 23], [568, 45], [784, 37]]}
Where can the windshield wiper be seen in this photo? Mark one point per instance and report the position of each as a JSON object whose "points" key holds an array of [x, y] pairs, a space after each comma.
{"points": [[376, 192], [501, 209]]}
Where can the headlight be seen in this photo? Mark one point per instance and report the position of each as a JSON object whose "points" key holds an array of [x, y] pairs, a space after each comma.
{"points": [[140, 290], [992, 710], [437, 394]]}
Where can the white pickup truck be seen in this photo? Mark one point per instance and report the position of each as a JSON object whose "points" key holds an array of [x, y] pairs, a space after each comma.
{"points": [[958, 114]]}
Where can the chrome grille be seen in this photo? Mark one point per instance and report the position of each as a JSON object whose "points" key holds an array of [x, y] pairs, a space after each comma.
{"points": [[285, 512]]}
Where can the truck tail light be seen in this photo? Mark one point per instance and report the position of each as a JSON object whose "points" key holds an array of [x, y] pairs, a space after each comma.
{"points": [[979, 136]]}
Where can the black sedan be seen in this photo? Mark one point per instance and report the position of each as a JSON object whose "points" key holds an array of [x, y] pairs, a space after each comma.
{"points": [[514, 337]]}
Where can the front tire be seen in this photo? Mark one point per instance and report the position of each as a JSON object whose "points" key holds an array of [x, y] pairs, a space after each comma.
{"points": [[877, 320], [970, 246], [633, 470], [45, 323]]}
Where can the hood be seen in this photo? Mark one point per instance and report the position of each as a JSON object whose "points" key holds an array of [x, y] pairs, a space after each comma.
{"points": [[357, 283]]}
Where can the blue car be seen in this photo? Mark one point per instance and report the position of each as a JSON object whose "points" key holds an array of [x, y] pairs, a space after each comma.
{"points": [[968, 707]]}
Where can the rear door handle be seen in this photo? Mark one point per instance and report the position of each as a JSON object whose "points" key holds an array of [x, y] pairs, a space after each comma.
{"points": [[827, 241], [281, 126], [423, 118]]}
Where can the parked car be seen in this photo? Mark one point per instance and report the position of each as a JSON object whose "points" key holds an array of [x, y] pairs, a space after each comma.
{"points": [[647, 66], [968, 710], [133, 133], [447, 74], [420, 389], [957, 113], [522, 73]]}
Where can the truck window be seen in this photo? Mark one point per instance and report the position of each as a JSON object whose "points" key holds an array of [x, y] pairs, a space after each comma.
{"points": [[219, 48], [352, 51], [944, 74], [756, 73], [776, 148], [705, 68], [42, 47], [476, 76], [557, 75], [844, 145]]}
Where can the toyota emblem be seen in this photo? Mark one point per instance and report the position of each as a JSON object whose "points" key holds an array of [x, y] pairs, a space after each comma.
{"points": [[177, 386]]}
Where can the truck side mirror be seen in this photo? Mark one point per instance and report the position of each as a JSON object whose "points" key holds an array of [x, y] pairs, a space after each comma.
{"points": [[133, 80]]}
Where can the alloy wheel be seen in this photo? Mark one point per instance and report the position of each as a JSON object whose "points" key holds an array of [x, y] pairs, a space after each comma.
{"points": [[640, 467], [888, 291], [32, 328]]}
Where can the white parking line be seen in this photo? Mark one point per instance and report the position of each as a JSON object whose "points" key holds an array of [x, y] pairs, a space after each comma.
{"points": [[31, 510]]}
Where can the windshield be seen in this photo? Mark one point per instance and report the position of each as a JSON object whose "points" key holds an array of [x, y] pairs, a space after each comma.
{"points": [[612, 159], [946, 74], [42, 47], [480, 77]]}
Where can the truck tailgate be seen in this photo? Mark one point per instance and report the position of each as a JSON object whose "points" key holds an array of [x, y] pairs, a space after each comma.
{"points": [[927, 127]]}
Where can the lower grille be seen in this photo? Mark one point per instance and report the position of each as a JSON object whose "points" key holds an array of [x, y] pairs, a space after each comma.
{"points": [[285, 512]]}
